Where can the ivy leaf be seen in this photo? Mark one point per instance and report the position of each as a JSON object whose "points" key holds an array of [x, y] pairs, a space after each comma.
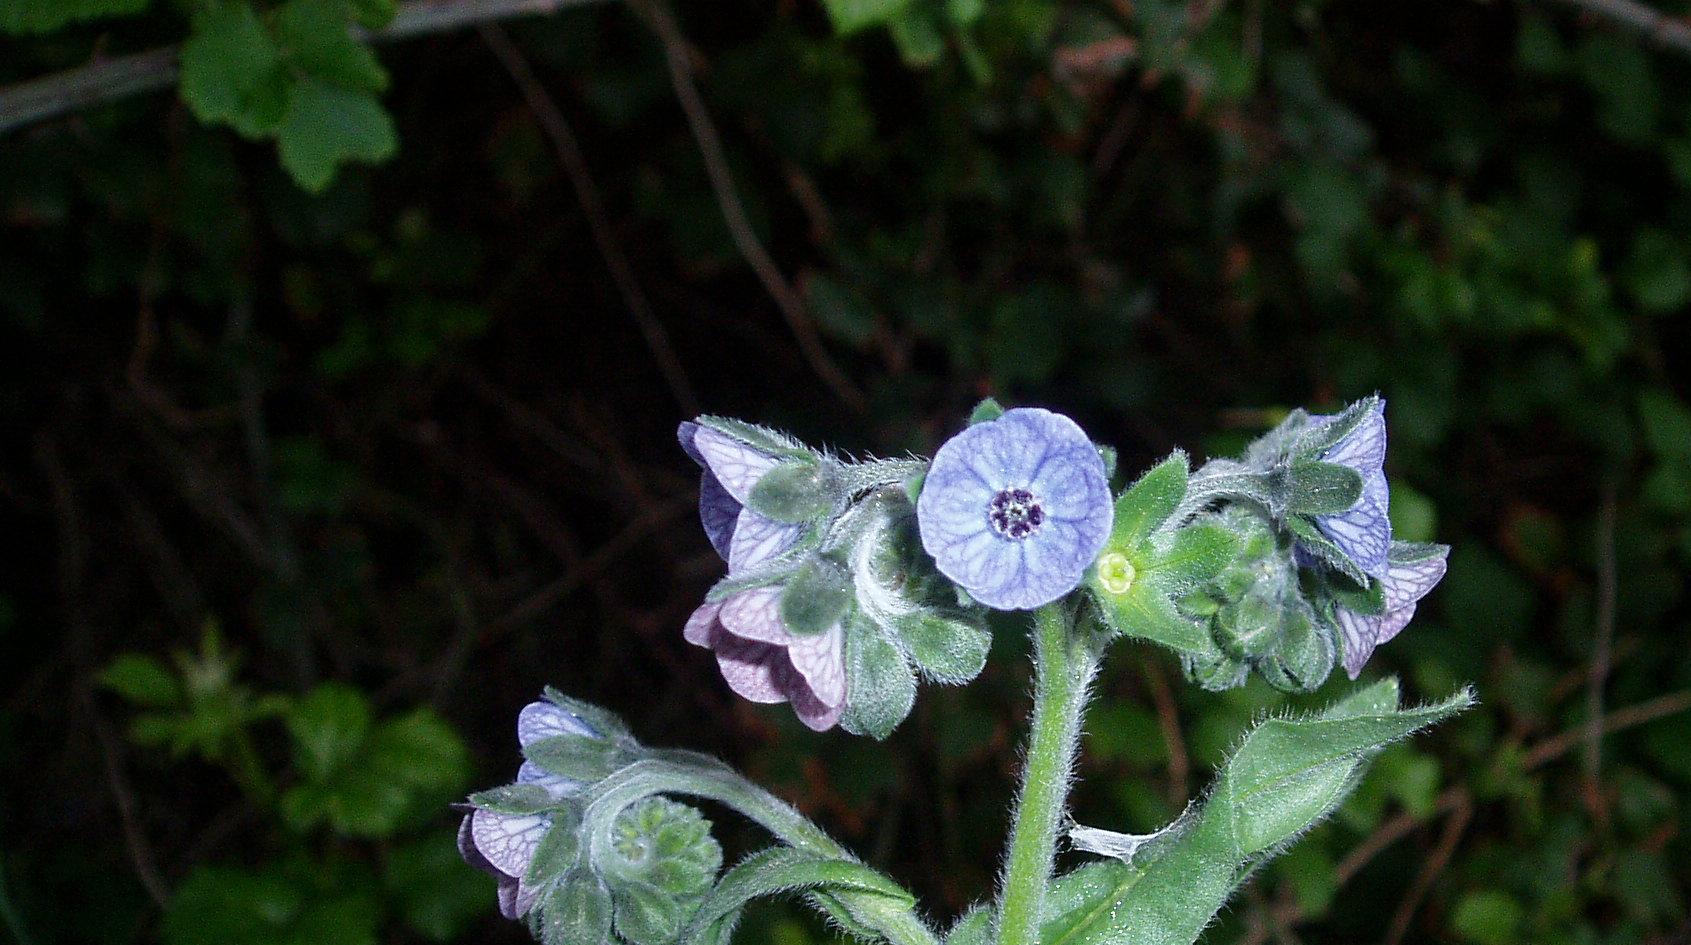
{"points": [[326, 126], [232, 72], [317, 36]]}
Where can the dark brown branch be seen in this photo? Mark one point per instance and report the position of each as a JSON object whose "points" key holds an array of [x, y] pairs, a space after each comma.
{"points": [[733, 210], [557, 128], [108, 80]]}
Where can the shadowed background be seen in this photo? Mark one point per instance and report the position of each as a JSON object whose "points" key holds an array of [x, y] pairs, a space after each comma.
{"points": [[305, 496]]}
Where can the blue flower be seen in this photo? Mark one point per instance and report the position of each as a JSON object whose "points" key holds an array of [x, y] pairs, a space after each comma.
{"points": [[1015, 509], [1363, 531], [1412, 571], [502, 844], [732, 467]]}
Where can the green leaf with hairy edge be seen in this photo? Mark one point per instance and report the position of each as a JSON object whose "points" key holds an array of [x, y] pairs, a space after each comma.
{"points": [[514, 799], [1312, 541], [782, 870], [45, 16], [849, 16], [1318, 488], [816, 598], [1273, 789], [325, 126], [319, 42], [880, 686], [1081, 898], [945, 649], [581, 757], [1188, 557], [1149, 502], [232, 71], [576, 912], [603, 720], [796, 490], [143, 680]]}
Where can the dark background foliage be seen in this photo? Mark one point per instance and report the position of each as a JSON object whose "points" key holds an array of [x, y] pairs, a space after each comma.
{"points": [[378, 463]]}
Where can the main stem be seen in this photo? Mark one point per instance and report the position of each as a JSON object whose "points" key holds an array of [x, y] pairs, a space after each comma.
{"points": [[1063, 667]]}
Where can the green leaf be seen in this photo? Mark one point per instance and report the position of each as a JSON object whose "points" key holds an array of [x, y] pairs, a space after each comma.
{"points": [[45, 16], [1318, 488], [577, 911], [1657, 272], [436, 896], [581, 757], [325, 126], [1148, 503], [224, 906], [1487, 917], [557, 850], [142, 680], [232, 72], [947, 650], [374, 14], [329, 725], [783, 870], [916, 33], [796, 490], [1082, 899], [880, 686], [514, 799], [816, 597], [974, 928], [849, 16], [319, 43]]}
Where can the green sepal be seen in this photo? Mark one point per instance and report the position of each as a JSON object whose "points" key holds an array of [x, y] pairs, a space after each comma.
{"points": [[1148, 503], [557, 850], [1252, 626], [1187, 557], [581, 757], [762, 439], [816, 598], [1368, 599], [1312, 444], [1317, 488], [514, 799], [577, 911], [1308, 649], [986, 411], [880, 686], [797, 490], [1147, 613], [946, 649], [1217, 673], [1317, 544]]}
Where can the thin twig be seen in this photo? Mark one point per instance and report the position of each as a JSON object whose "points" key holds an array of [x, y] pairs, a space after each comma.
{"points": [[135, 839], [1603, 650], [1168, 718], [1669, 32], [1454, 828], [733, 210], [557, 128], [1658, 708], [108, 80]]}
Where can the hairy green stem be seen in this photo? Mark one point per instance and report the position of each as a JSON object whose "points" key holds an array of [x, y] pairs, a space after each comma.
{"points": [[1063, 667]]}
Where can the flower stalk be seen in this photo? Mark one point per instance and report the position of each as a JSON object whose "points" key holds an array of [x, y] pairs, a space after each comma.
{"points": [[1064, 664]]}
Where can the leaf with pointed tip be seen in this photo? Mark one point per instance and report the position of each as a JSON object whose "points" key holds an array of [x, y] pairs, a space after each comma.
{"points": [[1317, 488], [514, 799], [880, 685], [1148, 503], [782, 870]]}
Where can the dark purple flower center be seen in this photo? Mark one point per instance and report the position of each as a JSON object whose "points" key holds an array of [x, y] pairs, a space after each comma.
{"points": [[1015, 513]]}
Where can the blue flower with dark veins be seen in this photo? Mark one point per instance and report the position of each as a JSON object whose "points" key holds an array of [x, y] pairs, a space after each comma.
{"points": [[732, 469], [1411, 572], [1015, 509], [503, 845], [1363, 531]]}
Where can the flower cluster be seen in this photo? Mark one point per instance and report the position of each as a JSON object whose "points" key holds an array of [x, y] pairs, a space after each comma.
{"points": [[821, 607]]}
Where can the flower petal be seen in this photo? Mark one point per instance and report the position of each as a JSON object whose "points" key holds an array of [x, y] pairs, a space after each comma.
{"points": [[1359, 634], [556, 784], [735, 464], [820, 660], [758, 538], [1363, 531], [543, 720], [1363, 448], [1407, 582], [817, 715], [749, 668], [703, 628], [508, 841], [718, 512], [756, 615]]}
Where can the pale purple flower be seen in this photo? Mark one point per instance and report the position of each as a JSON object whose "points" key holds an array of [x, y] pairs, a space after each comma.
{"points": [[731, 469], [1015, 509], [503, 845], [1363, 531], [1411, 572], [765, 662]]}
